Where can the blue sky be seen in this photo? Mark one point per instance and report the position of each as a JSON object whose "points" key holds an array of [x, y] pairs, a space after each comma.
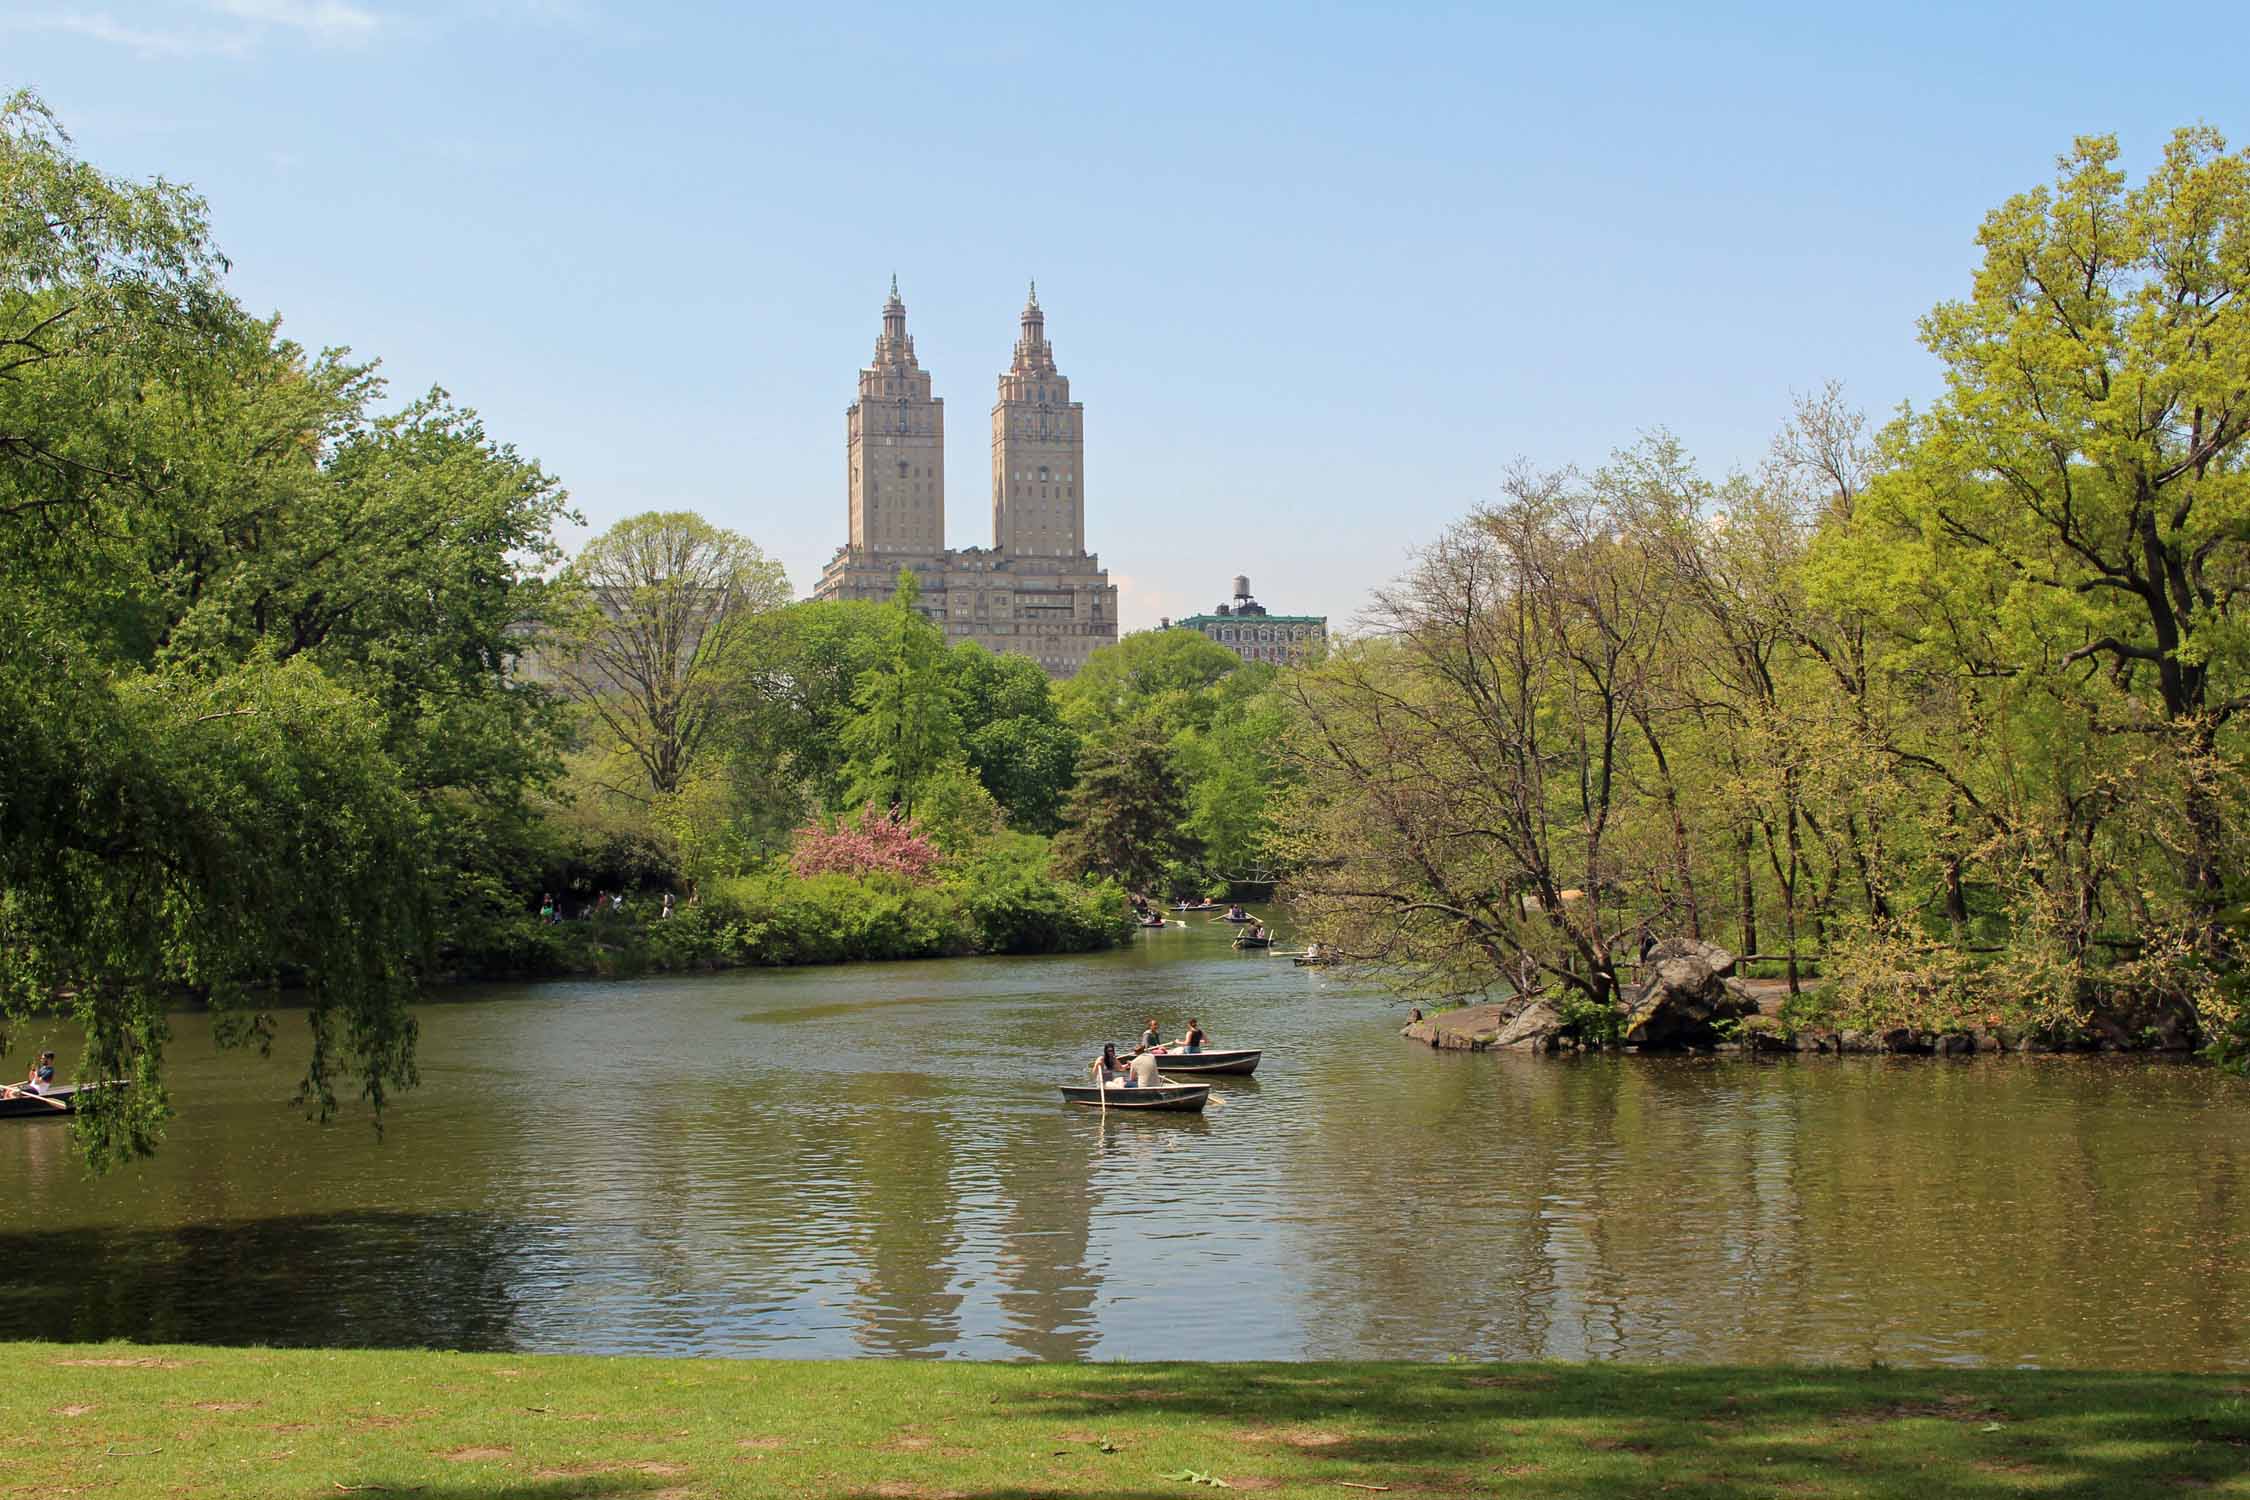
{"points": [[1319, 273]]}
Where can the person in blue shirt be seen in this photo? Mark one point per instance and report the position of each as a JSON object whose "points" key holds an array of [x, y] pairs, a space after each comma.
{"points": [[41, 1078]]}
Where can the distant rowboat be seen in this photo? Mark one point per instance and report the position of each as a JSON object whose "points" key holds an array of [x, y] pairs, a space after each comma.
{"points": [[1212, 1060]]}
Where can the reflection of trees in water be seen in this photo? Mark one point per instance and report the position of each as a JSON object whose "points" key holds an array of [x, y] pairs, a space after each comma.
{"points": [[385, 1280], [1714, 1210], [1045, 1222], [1415, 1251], [906, 1221]]}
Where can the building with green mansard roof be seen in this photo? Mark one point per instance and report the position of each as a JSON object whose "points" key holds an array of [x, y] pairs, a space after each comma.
{"points": [[1254, 633]]}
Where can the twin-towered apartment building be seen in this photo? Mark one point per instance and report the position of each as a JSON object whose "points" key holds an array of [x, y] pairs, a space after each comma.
{"points": [[1036, 590]]}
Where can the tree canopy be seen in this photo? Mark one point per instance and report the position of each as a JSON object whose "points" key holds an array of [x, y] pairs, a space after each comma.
{"points": [[258, 693]]}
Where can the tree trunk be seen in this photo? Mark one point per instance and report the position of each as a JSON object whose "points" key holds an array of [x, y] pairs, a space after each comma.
{"points": [[1789, 890], [1956, 900], [1746, 892]]}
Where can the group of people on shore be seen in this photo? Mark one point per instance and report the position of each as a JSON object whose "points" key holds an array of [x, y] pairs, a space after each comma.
{"points": [[1139, 1070], [552, 911]]}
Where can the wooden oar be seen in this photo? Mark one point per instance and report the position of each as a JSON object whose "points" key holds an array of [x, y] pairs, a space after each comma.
{"points": [[23, 1093]]}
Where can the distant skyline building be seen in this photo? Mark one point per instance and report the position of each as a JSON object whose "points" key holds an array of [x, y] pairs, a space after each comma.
{"points": [[1036, 591], [1252, 632]]}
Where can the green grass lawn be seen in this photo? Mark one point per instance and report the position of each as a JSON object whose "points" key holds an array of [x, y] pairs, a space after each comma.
{"points": [[170, 1422]]}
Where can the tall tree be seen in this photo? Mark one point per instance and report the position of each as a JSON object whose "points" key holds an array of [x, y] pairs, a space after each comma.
{"points": [[2086, 468], [1125, 817], [1166, 676], [905, 730], [256, 687], [654, 650], [1013, 735]]}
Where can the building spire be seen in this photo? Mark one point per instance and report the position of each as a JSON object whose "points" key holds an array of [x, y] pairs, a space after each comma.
{"points": [[894, 343], [1035, 291]]}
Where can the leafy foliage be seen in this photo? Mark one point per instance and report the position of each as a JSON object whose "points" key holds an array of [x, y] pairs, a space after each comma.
{"points": [[261, 718]]}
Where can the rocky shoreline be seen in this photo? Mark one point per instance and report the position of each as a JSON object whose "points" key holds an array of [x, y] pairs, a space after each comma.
{"points": [[1690, 1003]]}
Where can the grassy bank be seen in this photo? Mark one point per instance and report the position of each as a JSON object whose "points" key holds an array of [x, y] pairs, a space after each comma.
{"points": [[133, 1420]]}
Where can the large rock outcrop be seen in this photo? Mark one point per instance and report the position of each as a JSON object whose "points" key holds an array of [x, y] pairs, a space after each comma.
{"points": [[1721, 961], [1681, 1001], [1538, 1027], [1525, 1022]]}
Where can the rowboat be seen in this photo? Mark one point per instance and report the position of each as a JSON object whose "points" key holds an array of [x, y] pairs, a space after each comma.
{"points": [[1212, 1060], [1237, 920], [53, 1104], [1244, 940], [1168, 1096], [1303, 962]]}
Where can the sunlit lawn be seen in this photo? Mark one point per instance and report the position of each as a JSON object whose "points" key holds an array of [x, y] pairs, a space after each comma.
{"points": [[143, 1421]]}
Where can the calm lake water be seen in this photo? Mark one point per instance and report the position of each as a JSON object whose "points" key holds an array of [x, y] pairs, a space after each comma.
{"points": [[873, 1160]]}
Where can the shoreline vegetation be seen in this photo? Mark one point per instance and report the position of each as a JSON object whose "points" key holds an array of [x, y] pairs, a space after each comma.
{"points": [[780, 920], [197, 1422]]}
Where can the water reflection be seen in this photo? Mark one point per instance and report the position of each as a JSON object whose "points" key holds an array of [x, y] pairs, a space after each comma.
{"points": [[393, 1280], [874, 1161]]}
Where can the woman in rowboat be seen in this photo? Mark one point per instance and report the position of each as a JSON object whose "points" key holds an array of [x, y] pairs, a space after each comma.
{"points": [[1106, 1068], [1193, 1041]]}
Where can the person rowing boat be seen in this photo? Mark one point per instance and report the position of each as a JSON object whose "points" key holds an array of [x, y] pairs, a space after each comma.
{"points": [[40, 1080], [37, 1084]]}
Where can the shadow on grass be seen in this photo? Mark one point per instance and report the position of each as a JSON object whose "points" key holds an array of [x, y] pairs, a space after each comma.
{"points": [[576, 1487], [1587, 1429]]}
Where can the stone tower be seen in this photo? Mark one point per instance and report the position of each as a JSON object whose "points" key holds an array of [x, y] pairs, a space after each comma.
{"points": [[1038, 452], [895, 446]]}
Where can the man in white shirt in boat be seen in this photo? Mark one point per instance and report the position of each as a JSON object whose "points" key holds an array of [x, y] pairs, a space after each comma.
{"points": [[1141, 1073]]}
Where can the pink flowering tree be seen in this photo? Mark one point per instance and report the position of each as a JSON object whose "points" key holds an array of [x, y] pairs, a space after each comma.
{"points": [[870, 844]]}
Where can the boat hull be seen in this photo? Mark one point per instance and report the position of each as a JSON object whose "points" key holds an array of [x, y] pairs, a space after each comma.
{"points": [[1237, 1060], [1165, 1098], [41, 1106]]}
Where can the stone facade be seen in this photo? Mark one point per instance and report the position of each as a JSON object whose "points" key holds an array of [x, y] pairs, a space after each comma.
{"points": [[894, 445], [1036, 591], [1246, 628], [1038, 452]]}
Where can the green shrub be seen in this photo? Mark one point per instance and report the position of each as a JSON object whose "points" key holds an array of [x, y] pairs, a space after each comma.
{"points": [[516, 946], [777, 918]]}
